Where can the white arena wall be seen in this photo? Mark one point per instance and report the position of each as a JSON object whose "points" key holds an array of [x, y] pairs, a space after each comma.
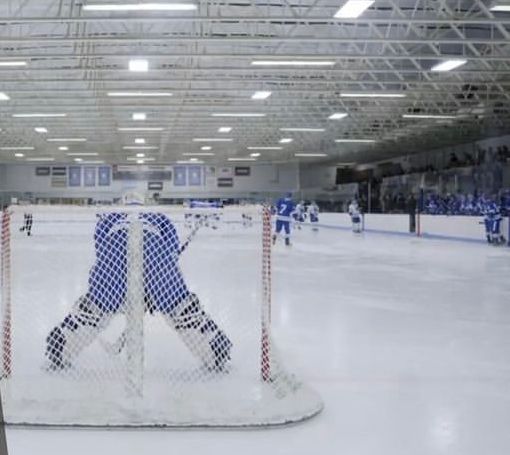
{"points": [[468, 228]]}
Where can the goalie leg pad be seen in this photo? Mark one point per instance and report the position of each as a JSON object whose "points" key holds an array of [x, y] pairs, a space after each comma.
{"points": [[77, 331], [201, 334]]}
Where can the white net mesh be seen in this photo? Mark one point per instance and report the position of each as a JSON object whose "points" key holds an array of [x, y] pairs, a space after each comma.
{"points": [[142, 316]]}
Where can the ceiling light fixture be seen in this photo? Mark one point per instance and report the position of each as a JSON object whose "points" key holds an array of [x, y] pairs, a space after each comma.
{"points": [[78, 160], [212, 139], [140, 155], [448, 65], [17, 148], [262, 95], [206, 147], [293, 63], [304, 130], [225, 129], [139, 7], [19, 155], [355, 141], [38, 115], [139, 147], [63, 148], [143, 128], [353, 9], [338, 116], [237, 114], [500, 8], [4, 96], [429, 116], [241, 159], [138, 65], [138, 94], [67, 139], [139, 116], [285, 140], [371, 95], [12, 63], [189, 162], [41, 158], [82, 154], [197, 154], [264, 148], [309, 155], [139, 140], [255, 155], [41, 130]]}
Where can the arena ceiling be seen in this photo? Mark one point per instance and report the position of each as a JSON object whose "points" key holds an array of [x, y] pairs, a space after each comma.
{"points": [[64, 69]]}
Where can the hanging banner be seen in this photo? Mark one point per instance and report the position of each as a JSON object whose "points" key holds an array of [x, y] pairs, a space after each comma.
{"points": [[194, 176], [74, 176], [179, 176], [104, 175], [89, 176]]}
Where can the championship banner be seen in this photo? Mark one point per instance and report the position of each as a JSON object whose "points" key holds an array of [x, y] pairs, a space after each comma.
{"points": [[89, 176], [74, 176], [195, 176], [104, 176], [180, 176]]}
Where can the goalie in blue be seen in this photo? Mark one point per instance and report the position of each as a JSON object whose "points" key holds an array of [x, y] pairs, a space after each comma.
{"points": [[492, 221], [165, 292]]}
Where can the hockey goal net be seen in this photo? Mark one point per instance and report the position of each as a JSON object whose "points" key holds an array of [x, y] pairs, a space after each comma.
{"points": [[140, 316]]}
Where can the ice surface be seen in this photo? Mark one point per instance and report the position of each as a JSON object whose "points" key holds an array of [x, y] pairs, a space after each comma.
{"points": [[407, 341]]}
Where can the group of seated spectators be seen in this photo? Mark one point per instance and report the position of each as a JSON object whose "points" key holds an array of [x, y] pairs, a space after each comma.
{"points": [[462, 204]]}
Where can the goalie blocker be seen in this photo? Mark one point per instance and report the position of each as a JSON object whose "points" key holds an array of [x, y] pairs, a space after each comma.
{"points": [[164, 291]]}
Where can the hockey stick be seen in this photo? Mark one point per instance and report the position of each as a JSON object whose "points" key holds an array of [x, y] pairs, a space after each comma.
{"points": [[117, 347]]}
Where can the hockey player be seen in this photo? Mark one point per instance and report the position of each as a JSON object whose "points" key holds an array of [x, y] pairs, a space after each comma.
{"points": [[355, 214], [27, 224], [492, 221], [313, 215], [284, 209], [299, 214], [164, 289]]}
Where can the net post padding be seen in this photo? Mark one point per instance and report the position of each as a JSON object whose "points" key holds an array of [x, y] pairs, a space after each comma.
{"points": [[5, 252]]}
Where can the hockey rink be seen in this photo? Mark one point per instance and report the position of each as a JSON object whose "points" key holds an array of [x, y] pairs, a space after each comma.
{"points": [[407, 340]]}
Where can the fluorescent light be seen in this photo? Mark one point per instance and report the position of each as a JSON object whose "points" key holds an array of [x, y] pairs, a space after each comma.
{"points": [[225, 129], [17, 148], [143, 128], [206, 147], [353, 9], [67, 139], [237, 114], [305, 130], [448, 65], [38, 115], [285, 140], [41, 158], [189, 162], [338, 116], [429, 116], [371, 95], [212, 139], [505, 8], [63, 148], [12, 63], [138, 65], [309, 155], [194, 160], [197, 154], [78, 160], [140, 161], [356, 141], [93, 162], [40, 129], [140, 155], [255, 155], [138, 94], [134, 158], [140, 7], [242, 159], [139, 116], [4, 96], [139, 140], [140, 147], [264, 148], [19, 155], [293, 63], [262, 95], [82, 154]]}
